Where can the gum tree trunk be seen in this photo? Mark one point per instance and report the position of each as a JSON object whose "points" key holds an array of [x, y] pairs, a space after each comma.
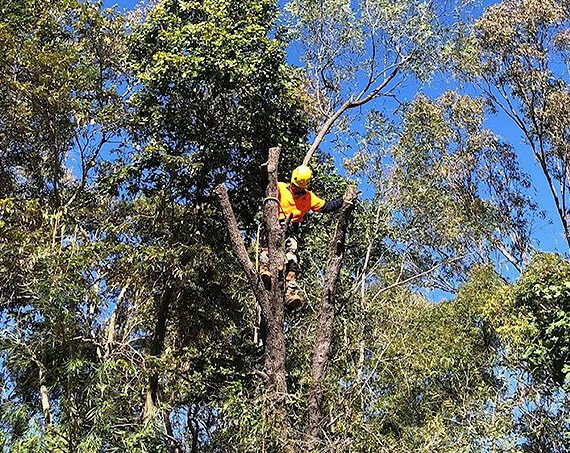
{"points": [[270, 300]]}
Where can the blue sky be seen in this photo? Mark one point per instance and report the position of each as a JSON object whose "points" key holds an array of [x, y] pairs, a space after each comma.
{"points": [[547, 231], [121, 4]]}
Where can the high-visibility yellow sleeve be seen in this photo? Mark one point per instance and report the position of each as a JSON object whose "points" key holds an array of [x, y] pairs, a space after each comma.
{"points": [[316, 202]]}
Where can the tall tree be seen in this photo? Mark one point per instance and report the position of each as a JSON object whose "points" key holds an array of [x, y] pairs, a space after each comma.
{"points": [[518, 56], [358, 52], [215, 92], [61, 68]]}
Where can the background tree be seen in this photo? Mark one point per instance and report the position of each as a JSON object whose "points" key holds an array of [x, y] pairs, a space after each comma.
{"points": [[215, 93], [517, 57], [358, 52], [62, 64]]}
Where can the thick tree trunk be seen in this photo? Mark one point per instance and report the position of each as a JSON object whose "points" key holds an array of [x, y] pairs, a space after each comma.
{"points": [[270, 300], [273, 311], [324, 334], [151, 399]]}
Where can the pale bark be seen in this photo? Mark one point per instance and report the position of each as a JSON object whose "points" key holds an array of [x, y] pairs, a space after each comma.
{"points": [[360, 100], [112, 328], [363, 304], [46, 407]]}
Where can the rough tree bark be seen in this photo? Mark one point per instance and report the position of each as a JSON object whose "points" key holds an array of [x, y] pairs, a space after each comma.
{"points": [[151, 400], [325, 326], [270, 300]]}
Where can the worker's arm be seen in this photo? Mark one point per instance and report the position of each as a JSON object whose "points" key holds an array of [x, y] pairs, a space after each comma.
{"points": [[331, 206], [322, 206]]}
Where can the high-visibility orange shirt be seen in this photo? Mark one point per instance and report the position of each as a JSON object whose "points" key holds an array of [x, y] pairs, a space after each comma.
{"points": [[297, 205]]}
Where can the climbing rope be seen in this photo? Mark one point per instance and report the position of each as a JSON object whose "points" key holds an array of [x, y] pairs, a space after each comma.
{"points": [[257, 248], [272, 198]]}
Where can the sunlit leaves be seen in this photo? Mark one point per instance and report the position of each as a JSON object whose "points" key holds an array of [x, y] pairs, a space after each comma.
{"points": [[522, 58], [543, 292]]}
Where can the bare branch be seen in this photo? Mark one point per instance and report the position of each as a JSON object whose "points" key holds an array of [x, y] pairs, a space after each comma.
{"points": [[235, 237], [417, 276], [325, 128]]}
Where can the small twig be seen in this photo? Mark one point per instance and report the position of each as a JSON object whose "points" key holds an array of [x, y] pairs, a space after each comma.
{"points": [[261, 374], [415, 277]]}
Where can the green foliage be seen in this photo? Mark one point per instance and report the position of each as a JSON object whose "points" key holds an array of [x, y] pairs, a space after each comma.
{"points": [[126, 321], [543, 293], [457, 188], [216, 94], [522, 56], [450, 193], [408, 373], [59, 73]]}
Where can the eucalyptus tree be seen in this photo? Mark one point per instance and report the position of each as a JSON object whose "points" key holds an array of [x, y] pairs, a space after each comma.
{"points": [[358, 52], [60, 70], [449, 194], [457, 193], [518, 56]]}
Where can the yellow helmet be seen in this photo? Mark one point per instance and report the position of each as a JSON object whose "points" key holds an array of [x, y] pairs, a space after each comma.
{"points": [[301, 176]]}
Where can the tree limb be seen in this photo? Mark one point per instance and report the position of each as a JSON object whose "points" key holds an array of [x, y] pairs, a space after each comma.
{"points": [[325, 325], [325, 128]]}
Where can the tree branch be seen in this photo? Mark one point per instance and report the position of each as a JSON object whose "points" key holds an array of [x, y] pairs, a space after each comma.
{"points": [[325, 326], [325, 128]]}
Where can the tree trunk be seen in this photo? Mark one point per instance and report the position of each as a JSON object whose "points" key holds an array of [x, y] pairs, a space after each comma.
{"points": [[46, 407], [112, 328], [273, 311], [270, 300], [325, 326], [151, 399]]}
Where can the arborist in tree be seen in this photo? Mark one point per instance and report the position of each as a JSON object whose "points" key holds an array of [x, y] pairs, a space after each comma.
{"points": [[295, 201]]}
